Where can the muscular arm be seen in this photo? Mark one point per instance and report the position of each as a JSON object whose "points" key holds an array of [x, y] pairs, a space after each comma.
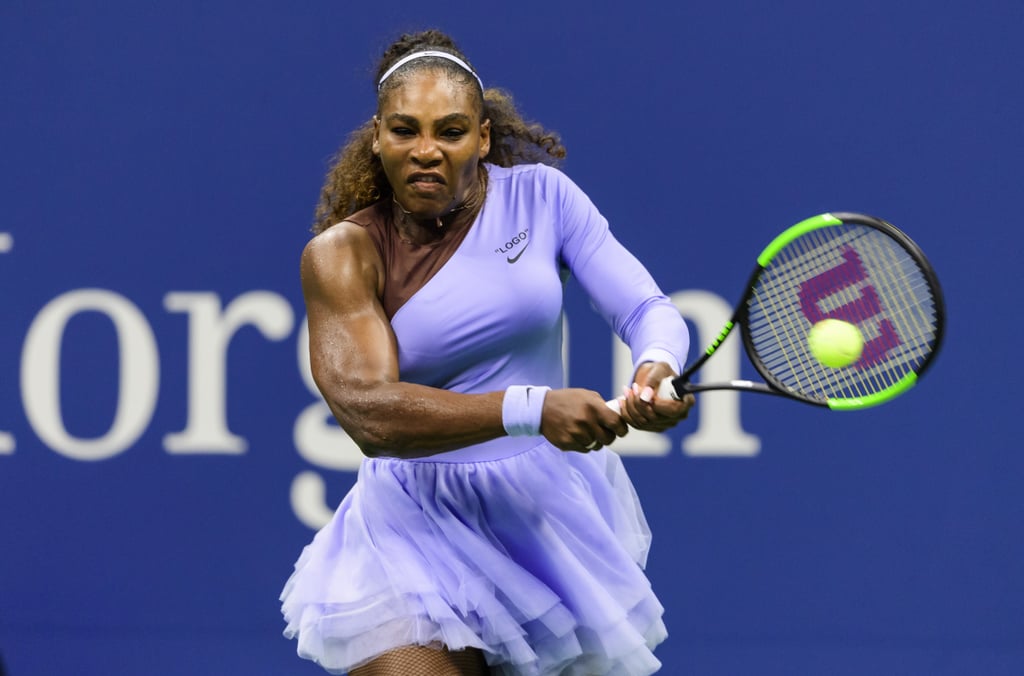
{"points": [[354, 359]]}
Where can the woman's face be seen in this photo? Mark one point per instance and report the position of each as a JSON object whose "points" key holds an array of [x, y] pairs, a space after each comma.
{"points": [[430, 139]]}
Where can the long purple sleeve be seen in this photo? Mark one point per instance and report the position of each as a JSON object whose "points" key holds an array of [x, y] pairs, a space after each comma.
{"points": [[620, 288]]}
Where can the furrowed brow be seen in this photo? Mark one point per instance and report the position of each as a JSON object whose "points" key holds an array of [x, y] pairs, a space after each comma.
{"points": [[412, 121], [461, 118], [408, 120]]}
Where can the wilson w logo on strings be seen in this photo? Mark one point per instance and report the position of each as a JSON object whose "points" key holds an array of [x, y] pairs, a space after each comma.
{"points": [[848, 290]]}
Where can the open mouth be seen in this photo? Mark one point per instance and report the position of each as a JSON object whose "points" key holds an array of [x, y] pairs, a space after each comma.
{"points": [[426, 179]]}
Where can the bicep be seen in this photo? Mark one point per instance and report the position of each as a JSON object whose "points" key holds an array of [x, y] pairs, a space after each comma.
{"points": [[351, 344]]}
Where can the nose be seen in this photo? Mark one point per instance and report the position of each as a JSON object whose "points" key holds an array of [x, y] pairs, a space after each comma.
{"points": [[426, 153]]}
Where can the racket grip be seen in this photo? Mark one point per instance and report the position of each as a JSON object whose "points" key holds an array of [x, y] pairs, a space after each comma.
{"points": [[666, 390]]}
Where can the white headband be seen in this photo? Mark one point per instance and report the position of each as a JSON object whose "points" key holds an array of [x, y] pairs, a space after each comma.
{"points": [[420, 55]]}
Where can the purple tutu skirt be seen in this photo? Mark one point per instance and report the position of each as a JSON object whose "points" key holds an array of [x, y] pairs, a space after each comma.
{"points": [[533, 556]]}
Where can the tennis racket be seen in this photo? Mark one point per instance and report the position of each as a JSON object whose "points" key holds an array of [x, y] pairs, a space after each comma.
{"points": [[846, 266]]}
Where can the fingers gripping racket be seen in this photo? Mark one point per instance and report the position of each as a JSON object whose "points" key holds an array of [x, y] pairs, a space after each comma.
{"points": [[836, 266]]}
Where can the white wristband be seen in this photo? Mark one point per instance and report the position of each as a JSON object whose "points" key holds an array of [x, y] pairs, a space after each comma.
{"points": [[521, 410]]}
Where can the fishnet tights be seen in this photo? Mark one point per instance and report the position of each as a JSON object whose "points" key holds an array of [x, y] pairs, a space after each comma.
{"points": [[423, 661]]}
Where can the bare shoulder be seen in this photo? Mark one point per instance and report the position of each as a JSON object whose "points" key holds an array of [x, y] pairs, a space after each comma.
{"points": [[340, 240], [341, 255]]}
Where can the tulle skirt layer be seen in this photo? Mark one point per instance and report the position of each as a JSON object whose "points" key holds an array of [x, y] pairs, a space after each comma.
{"points": [[535, 559]]}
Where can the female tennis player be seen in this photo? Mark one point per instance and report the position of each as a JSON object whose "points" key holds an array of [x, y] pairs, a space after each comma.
{"points": [[489, 530]]}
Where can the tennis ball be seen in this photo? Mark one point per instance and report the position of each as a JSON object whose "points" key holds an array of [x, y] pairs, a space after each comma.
{"points": [[835, 343]]}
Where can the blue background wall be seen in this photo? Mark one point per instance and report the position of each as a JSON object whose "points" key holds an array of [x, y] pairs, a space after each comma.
{"points": [[159, 148]]}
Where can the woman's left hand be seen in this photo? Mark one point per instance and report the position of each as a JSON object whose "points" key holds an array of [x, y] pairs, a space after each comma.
{"points": [[643, 409]]}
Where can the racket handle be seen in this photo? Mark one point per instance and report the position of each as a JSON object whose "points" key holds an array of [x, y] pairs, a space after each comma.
{"points": [[666, 390]]}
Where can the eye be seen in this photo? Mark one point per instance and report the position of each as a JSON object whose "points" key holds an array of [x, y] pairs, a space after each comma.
{"points": [[402, 131], [453, 133]]}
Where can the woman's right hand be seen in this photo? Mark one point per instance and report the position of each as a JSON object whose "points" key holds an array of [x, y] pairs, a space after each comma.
{"points": [[576, 419]]}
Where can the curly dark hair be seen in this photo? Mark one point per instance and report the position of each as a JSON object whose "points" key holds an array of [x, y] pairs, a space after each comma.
{"points": [[356, 178]]}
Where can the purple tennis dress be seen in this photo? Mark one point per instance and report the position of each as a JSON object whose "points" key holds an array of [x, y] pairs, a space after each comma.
{"points": [[531, 554]]}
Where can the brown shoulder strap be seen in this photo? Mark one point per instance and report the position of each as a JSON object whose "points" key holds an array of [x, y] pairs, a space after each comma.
{"points": [[407, 267]]}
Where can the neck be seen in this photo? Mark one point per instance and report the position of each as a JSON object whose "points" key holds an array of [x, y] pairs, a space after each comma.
{"points": [[406, 217]]}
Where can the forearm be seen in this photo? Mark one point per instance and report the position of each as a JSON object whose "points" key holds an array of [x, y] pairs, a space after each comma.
{"points": [[657, 333], [405, 420], [624, 293], [622, 290]]}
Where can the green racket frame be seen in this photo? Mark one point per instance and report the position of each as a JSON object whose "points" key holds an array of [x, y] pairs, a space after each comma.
{"points": [[773, 384]]}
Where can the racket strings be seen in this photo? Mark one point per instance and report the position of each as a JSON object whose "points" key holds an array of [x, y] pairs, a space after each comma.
{"points": [[878, 375], [903, 288], [850, 272]]}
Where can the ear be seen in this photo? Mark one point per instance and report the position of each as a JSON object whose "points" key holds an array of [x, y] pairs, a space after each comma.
{"points": [[375, 144], [485, 138]]}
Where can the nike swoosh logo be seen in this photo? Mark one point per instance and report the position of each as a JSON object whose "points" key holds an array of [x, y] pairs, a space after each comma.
{"points": [[513, 259]]}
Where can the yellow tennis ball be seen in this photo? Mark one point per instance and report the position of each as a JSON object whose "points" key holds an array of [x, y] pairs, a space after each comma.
{"points": [[835, 343]]}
